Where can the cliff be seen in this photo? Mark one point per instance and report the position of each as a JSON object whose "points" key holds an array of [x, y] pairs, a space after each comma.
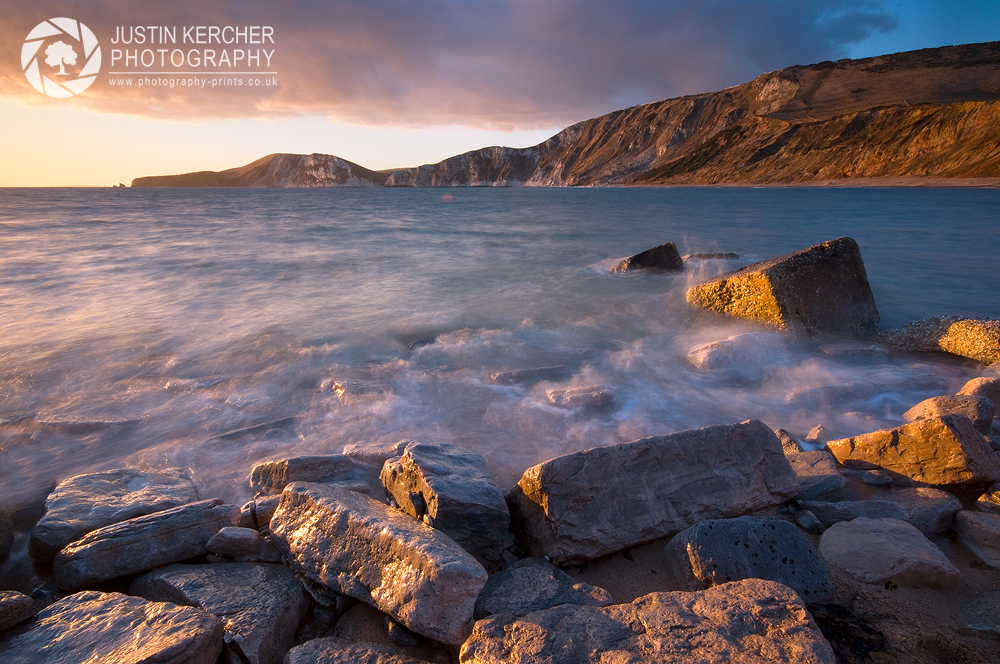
{"points": [[276, 170]]}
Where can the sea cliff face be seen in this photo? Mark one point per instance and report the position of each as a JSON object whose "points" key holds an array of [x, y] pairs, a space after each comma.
{"points": [[928, 113]]}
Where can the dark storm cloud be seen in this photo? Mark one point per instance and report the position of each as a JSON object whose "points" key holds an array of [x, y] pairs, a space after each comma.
{"points": [[517, 63]]}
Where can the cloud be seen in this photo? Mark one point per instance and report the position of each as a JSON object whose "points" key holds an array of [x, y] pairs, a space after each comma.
{"points": [[508, 64]]}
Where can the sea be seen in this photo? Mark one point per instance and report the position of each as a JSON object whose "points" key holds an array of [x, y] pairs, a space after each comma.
{"points": [[212, 329]]}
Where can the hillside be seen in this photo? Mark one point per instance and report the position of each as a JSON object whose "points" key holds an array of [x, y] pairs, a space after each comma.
{"points": [[933, 113]]}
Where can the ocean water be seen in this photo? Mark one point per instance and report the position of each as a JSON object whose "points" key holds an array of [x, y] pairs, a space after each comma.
{"points": [[145, 327]]}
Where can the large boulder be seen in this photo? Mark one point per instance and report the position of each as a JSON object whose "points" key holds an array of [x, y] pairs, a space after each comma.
{"points": [[664, 258], [91, 627], [84, 503], [977, 409], [581, 506], [142, 543], [886, 550], [331, 650], [534, 584], [260, 606], [744, 622], [822, 290], [938, 451], [980, 533], [975, 338], [365, 549], [450, 488], [818, 476], [932, 511], [721, 550]]}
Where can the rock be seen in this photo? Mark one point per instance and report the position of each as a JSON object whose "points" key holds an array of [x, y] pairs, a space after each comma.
{"points": [[6, 533], [870, 477], [992, 370], [818, 476], [932, 511], [141, 543], [977, 409], [590, 396], [989, 502], [988, 387], [243, 545], [831, 513], [260, 605], [559, 372], [744, 355], [14, 608], [808, 522], [980, 533], [747, 621], [367, 550], [533, 584], [375, 454], [721, 550], [92, 627], [818, 435], [854, 353], [789, 444], [273, 476], [257, 513], [84, 503], [983, 614], [938, 451], [450, 488], [581, 506], [715, 255], [819, 291], [975, 338], [331, 650], [886, 550], [664, 258]]}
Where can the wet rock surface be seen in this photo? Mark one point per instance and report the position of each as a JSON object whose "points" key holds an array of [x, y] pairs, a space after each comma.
{"points": [[531, 376], [977, 409], [664, 258], [589, 396], [533, 584]]}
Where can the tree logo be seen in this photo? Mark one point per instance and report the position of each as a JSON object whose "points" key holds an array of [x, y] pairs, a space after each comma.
{"points": [[68, 43]]}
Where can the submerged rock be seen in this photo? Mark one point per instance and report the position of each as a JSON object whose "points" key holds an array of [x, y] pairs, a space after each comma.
{"points": [[751, 621], [975, 338], [818, 476], [84, 503], [822, 290], [977, 409], [581, 506], [14, 608], [558, 372], [91, 627], [664, 258], [590, 396], [742, 354], [451, 490], [365, 549], [533, 584], [142, 543]]}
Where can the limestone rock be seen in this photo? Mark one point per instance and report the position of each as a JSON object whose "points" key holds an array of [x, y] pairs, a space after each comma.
{"points": [[938, 451], [331, 650], [822, 290], [260, 605], [818, 476], [664, 258], [985, 386], [84, 503], [451, 489], [980, 533], [141, 543], [367, 550], [746, 622], [14, 608], [975, 338], [989, 502], [932, 511], [585, 505], [831, 513], [977, 409], [742, 354], [6, 533], [533, 584], [589, 396], [243, 545], [789, 444], [272, 476], [92, 627], [536, 375], [721, 550], [883, 550]]}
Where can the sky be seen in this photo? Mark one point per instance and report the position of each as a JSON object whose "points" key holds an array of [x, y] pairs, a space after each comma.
{"points": [[393, 83]]}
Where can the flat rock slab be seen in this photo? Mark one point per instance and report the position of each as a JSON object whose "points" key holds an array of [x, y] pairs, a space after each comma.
{"points": [[84, 503], [830, 513], [332, 650], [142, 543], [365, 549], [822, 290], [744, 622], [938, 451], [14, 608], [664, 258], [260, 605], [975, 338], [886, 550], [722, 550], [91, 627], [980, 533], [977, 409], [582, 506], [273, 476], [533, 584], [450, 488], [818, 476], [932, 511]]}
